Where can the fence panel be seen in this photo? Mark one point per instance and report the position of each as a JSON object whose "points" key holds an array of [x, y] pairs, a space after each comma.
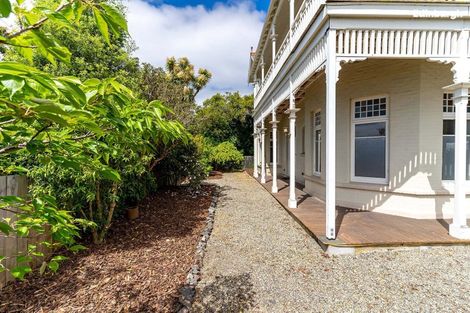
{"points": [[11, 246]]}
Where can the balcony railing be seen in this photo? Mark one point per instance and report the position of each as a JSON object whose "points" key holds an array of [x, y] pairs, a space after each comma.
{"points": [[416, 43], [303, 19]]}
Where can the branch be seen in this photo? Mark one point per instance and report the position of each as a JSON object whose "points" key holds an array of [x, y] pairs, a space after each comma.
{"points": [[9, 121], [163, 156], [8, 210], [35, 25], [39, 132], [23, 145]]}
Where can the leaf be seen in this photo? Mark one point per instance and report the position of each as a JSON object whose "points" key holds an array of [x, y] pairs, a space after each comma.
{"points": [[60, 20], [78, 8], [20, 271], [43, 267], [77, 248], [53, 265], [23, 259], [5, 8], [54, 118], [14, 84], [115, 16], [50, 108], [5, 228], [59, 258], [102, 25], [49, 47], [11, 199], [110, 174]]}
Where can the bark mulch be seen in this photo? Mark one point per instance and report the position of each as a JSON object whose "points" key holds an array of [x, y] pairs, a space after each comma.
{"points": [[139, 269], [215, 175]]}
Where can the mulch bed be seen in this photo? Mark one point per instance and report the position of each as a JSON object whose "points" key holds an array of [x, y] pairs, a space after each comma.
{"points": [[215, 175], [140, 268]]}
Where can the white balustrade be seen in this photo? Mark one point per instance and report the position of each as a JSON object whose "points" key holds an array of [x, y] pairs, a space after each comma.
{"points": [[400, 43], [301, 23]]}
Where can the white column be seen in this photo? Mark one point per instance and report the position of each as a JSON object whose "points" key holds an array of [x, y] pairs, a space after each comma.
{"points": [[255, 154], [263, 153], [274, 188], [291, 12], [330, 168], [273, 39], [291, 22], [461, 69], [262, 70], [459, 228], [292, 202]]}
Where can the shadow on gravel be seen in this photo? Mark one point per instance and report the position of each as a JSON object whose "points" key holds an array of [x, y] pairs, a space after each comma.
{"points": [[224, 194], [226, 294]]}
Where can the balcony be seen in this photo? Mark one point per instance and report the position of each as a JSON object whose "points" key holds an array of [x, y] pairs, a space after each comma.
{"points": [[301, 23]]}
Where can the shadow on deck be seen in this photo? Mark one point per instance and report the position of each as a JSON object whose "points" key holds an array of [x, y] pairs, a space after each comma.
{"points": [[359, 230]]}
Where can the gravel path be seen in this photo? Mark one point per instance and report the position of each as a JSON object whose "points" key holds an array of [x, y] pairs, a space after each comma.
{"points": [[260, 260]]}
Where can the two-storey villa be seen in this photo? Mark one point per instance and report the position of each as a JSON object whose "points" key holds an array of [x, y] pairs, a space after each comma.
{"points": [[365, 103]]}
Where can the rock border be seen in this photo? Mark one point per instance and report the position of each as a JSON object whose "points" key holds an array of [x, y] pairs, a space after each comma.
{"points": [[188, 291]]}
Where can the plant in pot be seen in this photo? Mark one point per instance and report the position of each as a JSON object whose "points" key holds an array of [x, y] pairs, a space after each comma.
{"points": [[134, 190]]}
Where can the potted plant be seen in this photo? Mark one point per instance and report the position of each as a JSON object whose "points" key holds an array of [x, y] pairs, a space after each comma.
{"points": [[133, 193]]}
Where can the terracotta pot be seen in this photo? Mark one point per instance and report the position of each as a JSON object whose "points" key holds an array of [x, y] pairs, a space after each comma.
{"points": [[133, 213]]}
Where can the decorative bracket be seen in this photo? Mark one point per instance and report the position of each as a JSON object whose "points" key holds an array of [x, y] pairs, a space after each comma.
{"points": [[460, 68], [340, 61]]}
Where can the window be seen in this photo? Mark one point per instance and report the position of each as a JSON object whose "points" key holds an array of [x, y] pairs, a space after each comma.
{"points": [[316, 125], [448, 138], [370, 140], [271, 147], [303, 140]]}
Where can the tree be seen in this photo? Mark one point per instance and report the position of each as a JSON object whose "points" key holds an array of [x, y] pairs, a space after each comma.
{"points": [[181, 72], [226, 118], [69, 125], [176, 86], [91, 56]]}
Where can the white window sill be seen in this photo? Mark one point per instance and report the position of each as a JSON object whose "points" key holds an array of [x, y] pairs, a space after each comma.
{"points": [[367, 180]]}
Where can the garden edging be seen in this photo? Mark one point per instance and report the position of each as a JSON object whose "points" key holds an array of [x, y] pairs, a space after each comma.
{"points": [[188, 291]]}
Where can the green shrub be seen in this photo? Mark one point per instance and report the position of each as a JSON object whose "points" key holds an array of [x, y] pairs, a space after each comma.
{"points": [[226, 157], [185, 164]]}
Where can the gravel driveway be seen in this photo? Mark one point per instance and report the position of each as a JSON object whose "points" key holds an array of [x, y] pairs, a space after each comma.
{"points": [[260, 260]]}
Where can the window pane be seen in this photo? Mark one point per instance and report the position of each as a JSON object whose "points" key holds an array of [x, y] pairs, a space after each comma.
{"points": [[370, 130], [370, 157], [448, 127], [271, 147], [448, 155], [317, 162]]}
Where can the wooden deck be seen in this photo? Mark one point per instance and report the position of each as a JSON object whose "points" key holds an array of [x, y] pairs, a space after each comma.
{"points": [[362, 229]]}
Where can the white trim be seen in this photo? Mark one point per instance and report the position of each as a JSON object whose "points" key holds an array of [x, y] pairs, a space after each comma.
{"points": [[367, 120], [449, 184], [315, 128]]}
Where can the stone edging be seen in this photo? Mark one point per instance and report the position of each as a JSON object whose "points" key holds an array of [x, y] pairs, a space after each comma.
{"points": [[188, 291]]}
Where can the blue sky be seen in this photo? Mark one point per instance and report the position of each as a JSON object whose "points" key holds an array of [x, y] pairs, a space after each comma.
{"points": [[216, 35], [260, 4]]}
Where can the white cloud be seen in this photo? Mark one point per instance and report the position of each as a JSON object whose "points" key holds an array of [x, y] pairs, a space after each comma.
{"points": [[218, 39]]}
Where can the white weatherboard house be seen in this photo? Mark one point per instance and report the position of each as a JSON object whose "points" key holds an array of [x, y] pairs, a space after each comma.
{"points": [[365, 103]]}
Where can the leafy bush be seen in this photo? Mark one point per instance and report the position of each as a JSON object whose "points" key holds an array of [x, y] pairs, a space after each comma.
{"points": [[85, 137], [185, 164], [226, 157]]}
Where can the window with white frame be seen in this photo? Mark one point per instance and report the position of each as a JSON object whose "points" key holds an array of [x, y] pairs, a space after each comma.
{"points": [[303, 140], [271, 147], [448, 138], [316, 125], [369, 156]]}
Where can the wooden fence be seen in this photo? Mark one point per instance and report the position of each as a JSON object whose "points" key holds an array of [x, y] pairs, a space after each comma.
{"points": [[248, 163], [11, 246]]}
